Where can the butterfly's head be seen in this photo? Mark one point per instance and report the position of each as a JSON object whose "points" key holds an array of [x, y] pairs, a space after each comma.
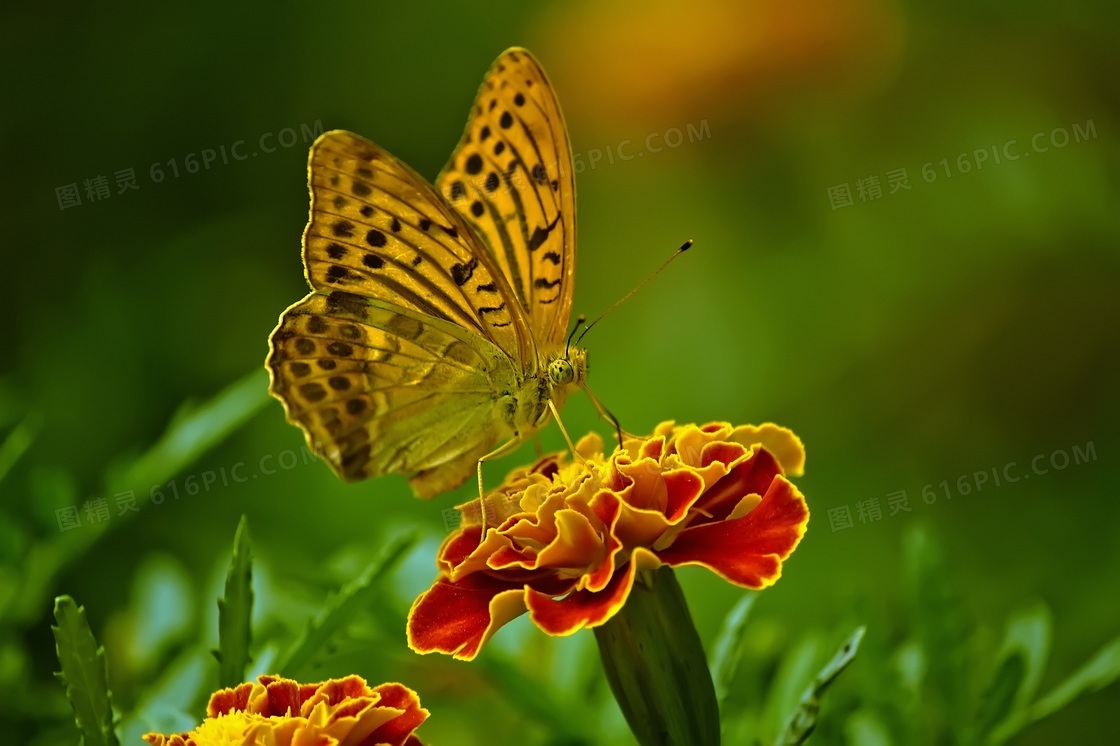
{"points": [[569, 369]]}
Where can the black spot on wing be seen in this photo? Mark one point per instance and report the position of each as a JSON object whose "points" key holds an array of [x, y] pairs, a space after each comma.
{"points": [[460, 273], [313, 392], [375, 238], [540, 235]]}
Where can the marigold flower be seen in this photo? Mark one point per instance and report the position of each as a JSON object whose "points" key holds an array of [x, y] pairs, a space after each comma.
{"points": [[281, 712], [567, 538]]}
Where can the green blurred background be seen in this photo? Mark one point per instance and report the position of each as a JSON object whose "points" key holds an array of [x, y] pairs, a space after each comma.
{"points": [[956, 326]]}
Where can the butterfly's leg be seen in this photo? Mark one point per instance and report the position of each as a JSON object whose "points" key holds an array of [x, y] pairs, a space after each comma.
{"points": [[556, 416], [604, 412], [507, 447]]}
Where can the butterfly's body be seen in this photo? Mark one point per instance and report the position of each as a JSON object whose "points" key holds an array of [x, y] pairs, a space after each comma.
{"points": [[434, 333]]}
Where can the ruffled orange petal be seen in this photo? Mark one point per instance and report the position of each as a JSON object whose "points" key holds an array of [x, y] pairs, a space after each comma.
{"points": [[566, 537]]}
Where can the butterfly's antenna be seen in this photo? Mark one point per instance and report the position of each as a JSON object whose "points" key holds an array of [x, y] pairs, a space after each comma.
{"points": [[684, 247], [579, 322]]}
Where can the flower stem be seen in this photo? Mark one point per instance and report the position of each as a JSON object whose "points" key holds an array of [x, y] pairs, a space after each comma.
{"points": [[656, 666]]}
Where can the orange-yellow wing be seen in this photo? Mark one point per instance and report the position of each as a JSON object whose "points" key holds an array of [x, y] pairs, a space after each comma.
{"points": [[399, 358], [511, 180]]}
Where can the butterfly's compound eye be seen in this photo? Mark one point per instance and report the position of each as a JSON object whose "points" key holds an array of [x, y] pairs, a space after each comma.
{"points": [[561, 372]]}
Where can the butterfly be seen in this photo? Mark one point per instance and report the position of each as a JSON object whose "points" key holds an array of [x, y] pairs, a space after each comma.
{"points": [[433, 337]]}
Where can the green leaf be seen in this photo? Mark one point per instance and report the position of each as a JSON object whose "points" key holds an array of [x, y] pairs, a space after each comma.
{"points": [[235, 612], [84, 673], [1028, 632], [1100, 671], [729, 646], [1021, 662], [941, 629], [804, 718], [656, 666], [999, 697], [341, 608]]}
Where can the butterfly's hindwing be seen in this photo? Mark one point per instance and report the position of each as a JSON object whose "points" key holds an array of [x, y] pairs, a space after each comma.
{"points": [[382, 390]]}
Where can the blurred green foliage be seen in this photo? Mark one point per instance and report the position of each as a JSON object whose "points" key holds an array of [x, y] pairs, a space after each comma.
{"points": [[942, 341]]}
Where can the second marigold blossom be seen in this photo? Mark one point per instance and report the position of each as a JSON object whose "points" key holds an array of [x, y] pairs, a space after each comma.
{"points": [[274, 711], [572, 535]]}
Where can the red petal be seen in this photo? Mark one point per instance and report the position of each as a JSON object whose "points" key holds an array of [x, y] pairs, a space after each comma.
{"points": [[458, 547], [456, 618], [398, 697], [748, 551], [581, 609], [753, 475], [225, 701], [283, 698], [683, 486]]}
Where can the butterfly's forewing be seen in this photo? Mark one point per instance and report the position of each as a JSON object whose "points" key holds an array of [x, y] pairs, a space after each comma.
{"points": [[378, 230], [396, 360], [511, 179]]}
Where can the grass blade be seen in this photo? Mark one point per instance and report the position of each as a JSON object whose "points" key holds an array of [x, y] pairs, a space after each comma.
{"points": [[18, 441], [729, 646], [194, 430], [804, 719]]}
